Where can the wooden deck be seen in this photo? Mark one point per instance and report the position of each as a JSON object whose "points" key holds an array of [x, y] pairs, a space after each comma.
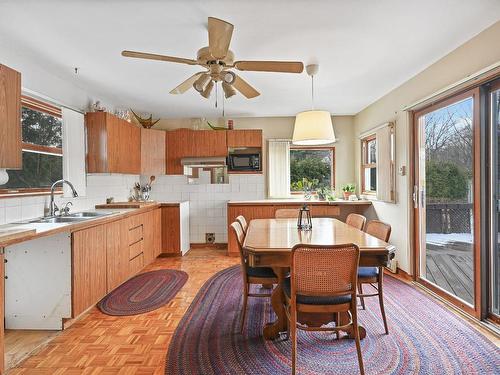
{"points": [[450, 266]]}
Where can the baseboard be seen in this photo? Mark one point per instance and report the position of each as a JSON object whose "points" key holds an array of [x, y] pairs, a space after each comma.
{"points": [[218, 246]]}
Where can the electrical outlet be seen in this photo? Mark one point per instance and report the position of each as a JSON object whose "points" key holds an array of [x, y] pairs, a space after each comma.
{"points": [[210, 237]]}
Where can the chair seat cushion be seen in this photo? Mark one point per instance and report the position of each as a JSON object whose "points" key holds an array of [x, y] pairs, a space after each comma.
{"points": [[367, 272], [314, 300], [266, 272]]}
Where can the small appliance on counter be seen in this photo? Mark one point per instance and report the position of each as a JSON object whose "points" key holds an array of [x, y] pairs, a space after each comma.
{"points": [[244, 159]]}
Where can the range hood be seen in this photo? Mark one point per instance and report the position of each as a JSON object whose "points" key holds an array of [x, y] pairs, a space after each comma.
{"points": [[206, 162], [214, 170]]}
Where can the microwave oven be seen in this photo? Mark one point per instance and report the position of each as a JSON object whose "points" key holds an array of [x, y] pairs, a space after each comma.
{"points": [[244, 162]]}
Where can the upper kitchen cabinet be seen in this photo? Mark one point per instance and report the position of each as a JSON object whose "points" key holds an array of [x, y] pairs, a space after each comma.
{"points": [[184, 143], [153, 152], [10, 118], [113, 144], [244, 138]]}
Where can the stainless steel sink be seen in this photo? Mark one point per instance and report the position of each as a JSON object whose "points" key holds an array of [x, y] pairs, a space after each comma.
{"points": [[89, 214], [58, 219], [72, 218]]}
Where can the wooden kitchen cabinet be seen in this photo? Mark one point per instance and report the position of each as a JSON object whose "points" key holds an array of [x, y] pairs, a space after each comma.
{"points": [[183, 143], [153, 153], [89, 268], [113, 144], [117, 253], [2, 313], [171, 231], [10, 118], [244, 138]]}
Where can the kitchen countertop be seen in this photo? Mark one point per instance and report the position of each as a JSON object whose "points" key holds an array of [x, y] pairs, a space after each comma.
{"points": [[28, 231], [300, 201]]}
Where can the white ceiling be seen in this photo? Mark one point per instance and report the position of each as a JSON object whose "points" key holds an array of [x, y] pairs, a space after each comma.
{"points": [[365, 48]]}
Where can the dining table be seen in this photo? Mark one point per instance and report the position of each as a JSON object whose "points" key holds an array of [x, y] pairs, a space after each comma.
{"points": [[269, 243]]}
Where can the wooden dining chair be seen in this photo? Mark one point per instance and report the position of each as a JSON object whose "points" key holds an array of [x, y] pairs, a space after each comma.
{"points": [[375, 275], [355, 220], [286, 213], [323, 280], [251, 275], [243, 222]]}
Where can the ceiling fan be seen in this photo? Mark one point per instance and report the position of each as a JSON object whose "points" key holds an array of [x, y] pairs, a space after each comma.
{"points": [[218, 61]]}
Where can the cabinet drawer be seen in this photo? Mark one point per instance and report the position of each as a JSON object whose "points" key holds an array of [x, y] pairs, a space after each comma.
{"points": [[135, 249], [136, 264], [135, 234]]}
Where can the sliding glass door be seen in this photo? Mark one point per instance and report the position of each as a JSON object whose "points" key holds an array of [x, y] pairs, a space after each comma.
{"points": [[446, 199], [494, 258]]}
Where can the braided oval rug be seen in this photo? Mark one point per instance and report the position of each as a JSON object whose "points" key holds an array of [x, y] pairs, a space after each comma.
{"points": [[424, 338], [143, 293]]}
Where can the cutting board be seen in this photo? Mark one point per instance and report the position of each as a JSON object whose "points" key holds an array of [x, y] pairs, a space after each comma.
{"points": [[123, 205]]}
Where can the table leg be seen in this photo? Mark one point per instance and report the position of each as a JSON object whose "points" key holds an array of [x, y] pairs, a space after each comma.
{"points": [[273, 329]]}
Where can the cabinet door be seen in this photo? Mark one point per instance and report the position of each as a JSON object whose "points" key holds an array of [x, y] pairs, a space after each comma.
{"points": [[2, 313], [89, 268], [183, 143], [244, 138], [97, 148], [149, 241], [10, 118], [153, 151], [171, 230], [117, 253], [157, 232]]}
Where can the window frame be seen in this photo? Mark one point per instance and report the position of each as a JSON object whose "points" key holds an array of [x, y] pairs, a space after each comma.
{"points": [[317, 148], [364, 163], [49, 109]]}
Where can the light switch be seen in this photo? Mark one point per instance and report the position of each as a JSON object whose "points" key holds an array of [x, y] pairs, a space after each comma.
{"points": [[402, 170]]}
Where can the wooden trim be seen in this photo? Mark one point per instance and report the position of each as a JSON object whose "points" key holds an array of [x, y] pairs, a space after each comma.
{"points": [[40, 106], [493, 318], [41, 149], [320, 148], [219, 246], [474, 309], [365, 164]]}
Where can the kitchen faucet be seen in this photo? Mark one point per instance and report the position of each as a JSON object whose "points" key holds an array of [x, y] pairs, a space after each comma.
{"points": [[53, 207]]}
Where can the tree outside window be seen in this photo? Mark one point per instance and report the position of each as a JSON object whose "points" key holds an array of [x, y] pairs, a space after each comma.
{"points": [[369, 165], [312, 164]]}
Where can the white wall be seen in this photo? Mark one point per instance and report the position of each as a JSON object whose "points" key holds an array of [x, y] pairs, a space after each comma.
{"points": [[478, 53]]}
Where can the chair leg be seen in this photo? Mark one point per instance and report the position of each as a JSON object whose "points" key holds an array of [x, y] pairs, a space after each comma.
{"points": [[381, 299], [338, 323], [356, 338], [293, 332], [245, 301], [362, 299]]}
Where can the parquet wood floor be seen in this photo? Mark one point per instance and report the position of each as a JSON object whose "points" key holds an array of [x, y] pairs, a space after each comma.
{"points": [[133, 345]]}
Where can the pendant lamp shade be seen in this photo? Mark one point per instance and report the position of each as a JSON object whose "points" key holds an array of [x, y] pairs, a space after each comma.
{"points": [[313, 128]]}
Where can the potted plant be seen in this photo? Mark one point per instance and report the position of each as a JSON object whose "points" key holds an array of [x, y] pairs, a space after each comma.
{"points": [[305, 185], [325, 194], [348, 190]]}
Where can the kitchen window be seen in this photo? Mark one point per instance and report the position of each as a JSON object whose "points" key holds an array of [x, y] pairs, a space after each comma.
{"points": [[41, 149], [317, 165], [369, 165]]}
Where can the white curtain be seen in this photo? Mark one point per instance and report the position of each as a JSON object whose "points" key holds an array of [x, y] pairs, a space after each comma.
{"points": [[279, 168], [385, 165], [74, 152]]}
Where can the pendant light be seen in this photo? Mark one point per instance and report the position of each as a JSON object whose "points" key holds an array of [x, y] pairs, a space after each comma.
{"points": [[313, 127]]}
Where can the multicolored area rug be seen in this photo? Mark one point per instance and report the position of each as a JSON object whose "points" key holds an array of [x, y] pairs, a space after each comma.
{"points": [[144, 292], [424, 338]]}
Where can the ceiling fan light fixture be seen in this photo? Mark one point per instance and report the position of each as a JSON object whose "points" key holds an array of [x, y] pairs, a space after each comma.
{"points": [[208, 89], [228, 90], [313, 127], [229, 77], [201, 83]]}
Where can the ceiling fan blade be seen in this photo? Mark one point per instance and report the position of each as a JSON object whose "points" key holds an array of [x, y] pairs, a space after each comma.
{"points": [[186, 85], [242, 86], [219, 37], [152, 56], [270, 66]]}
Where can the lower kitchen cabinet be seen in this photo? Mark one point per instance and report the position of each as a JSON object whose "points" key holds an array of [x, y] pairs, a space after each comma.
{"points": [[175, 229], [2, 313], [89, 268], [117, 253]]}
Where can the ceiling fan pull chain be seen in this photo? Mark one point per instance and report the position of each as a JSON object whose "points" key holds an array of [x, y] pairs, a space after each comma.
{"points": [[223, 106], [216, 94], [312, 92]]}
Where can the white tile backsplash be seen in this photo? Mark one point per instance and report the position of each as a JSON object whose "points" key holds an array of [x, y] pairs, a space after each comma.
{"points": [[99, 187], [208, 202]]}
